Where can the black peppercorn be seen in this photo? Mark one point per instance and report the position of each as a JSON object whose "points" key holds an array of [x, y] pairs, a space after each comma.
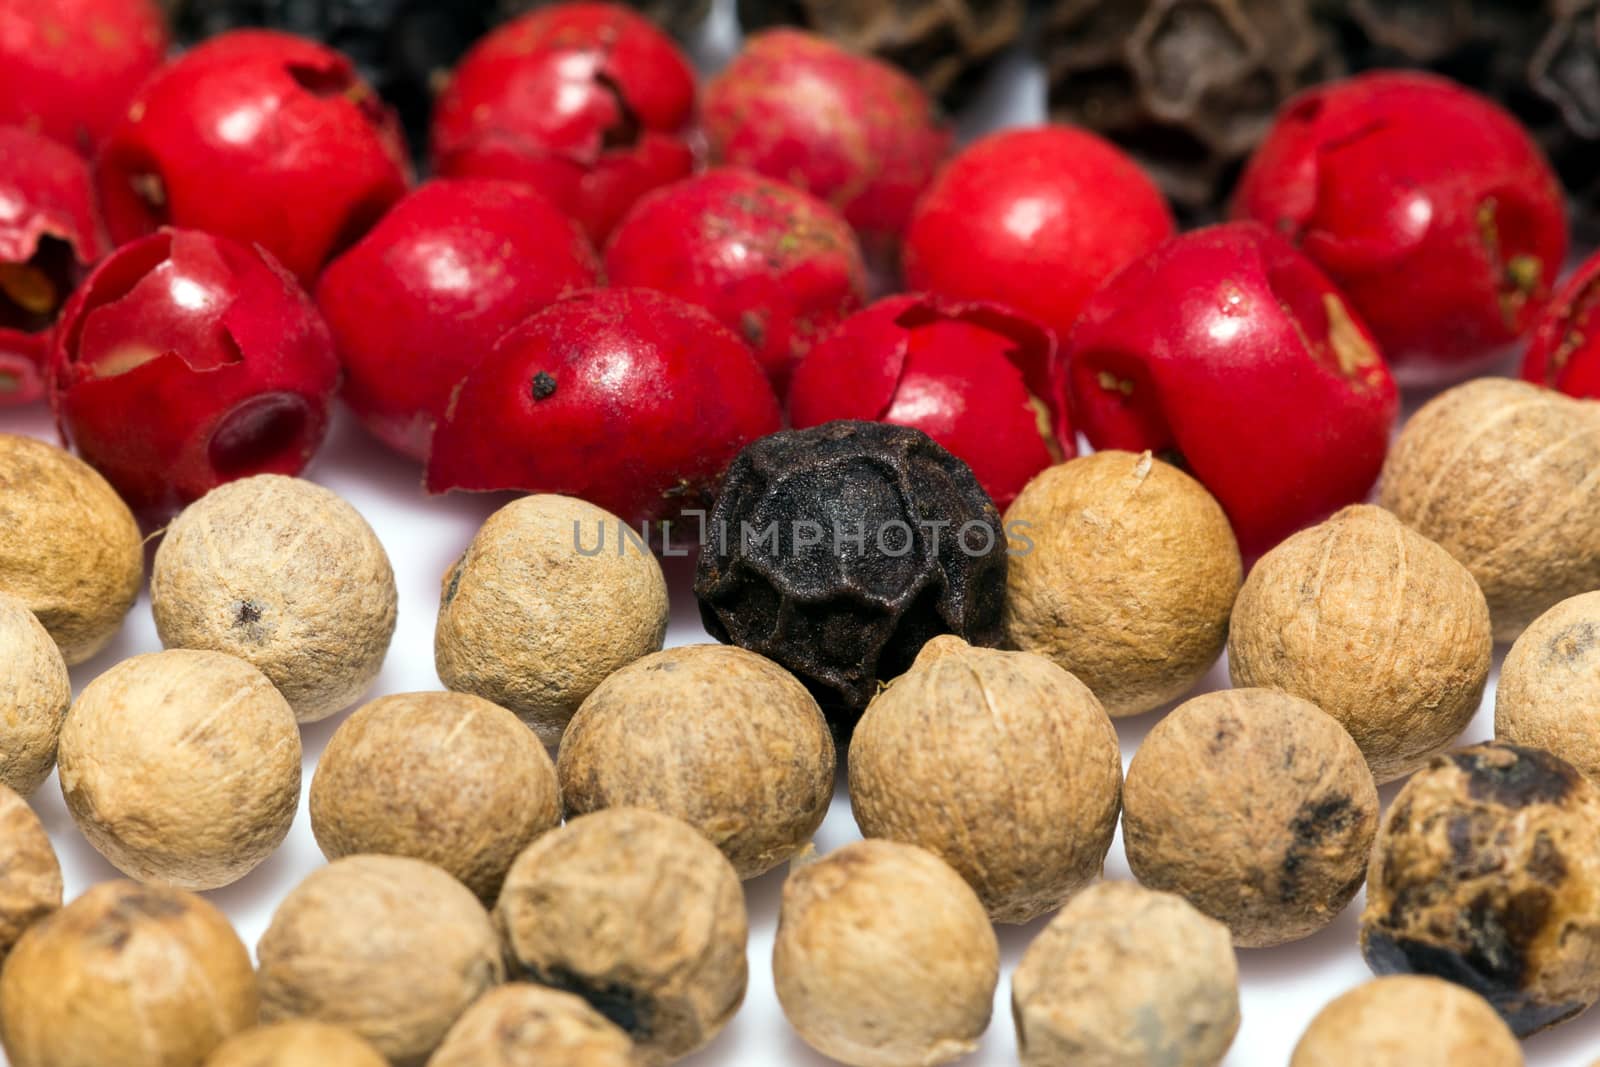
{"points": [[839, 551], [948, 44], [678, 16], [1189, 88]]}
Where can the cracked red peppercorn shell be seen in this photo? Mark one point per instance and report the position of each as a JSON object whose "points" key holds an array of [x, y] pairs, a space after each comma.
{"points": [[630, 399], [851, 130], [588, 103], [187, 360], [774, 264], [49, 237], [68, 68], [1428, 205], [262, 137], [1228, 351], [1034, 219], [978, 378], [419, 301], [1564, 352]]}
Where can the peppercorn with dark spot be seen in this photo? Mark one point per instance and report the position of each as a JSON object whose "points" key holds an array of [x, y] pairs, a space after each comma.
{"points": [[839, 551], [1485, 873]]}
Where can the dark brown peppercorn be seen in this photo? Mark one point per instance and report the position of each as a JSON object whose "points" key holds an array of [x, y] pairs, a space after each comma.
{"points": [[1485, 873], [1189, 88], [841, 550], [948, 44]]}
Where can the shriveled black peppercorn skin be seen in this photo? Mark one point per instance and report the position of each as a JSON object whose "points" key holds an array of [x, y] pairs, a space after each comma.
{"points": [[1188, 87], [1486, 872], [844, 616], [949, 45]]}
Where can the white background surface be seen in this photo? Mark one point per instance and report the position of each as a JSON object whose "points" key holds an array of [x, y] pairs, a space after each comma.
{"points": [[1282, 988]]}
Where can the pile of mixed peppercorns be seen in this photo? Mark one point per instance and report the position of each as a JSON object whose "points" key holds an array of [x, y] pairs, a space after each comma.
{"points": [[667, 310]]}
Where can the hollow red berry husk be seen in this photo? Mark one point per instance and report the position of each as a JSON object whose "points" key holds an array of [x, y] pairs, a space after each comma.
{"points": [[628, 398], [69, 68], [1036, 220], [977, 378], [1230, 353], [187, 360], [49, 237], [421, 300], [262, 137], [588, 103], [1564, 352], [774, 264], [1429, 207], [851, 130]]}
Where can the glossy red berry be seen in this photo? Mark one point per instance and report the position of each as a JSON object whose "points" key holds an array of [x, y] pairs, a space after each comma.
{"points": [[49, 237], [977, 378], [262, 137], [1034, 219], [776, 265], [68, 68], [588, 103], [1228, 351], [1428, 206], [1564, 353], [852, 130], [628, 398], [420, 300], [188, 360]]}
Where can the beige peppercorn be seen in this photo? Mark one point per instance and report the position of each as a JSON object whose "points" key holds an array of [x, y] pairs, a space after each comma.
{"points": [[1549, 691], [1408, 1021], [532, 618], [35, 692], [1129, 578], [523, 1025], [1029, 817], [1486, 871], [1127, 977], [182, 768], [126, 975], [288, 577], [638, 914], [724, 739], [296, 1044], [885, 957], [1374, 624], [30, 877], [443, 777], [390, 948], [1257, 808], [1506, 477], [70, 549]]}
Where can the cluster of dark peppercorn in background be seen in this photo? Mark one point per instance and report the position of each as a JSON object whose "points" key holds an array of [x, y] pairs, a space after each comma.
{"points": [[1187, 87]]}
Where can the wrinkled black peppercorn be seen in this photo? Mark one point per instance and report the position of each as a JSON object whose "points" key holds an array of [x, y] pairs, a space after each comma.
{"points": [[948, 44], [839, 551], [681, 17], [1188, 87]]}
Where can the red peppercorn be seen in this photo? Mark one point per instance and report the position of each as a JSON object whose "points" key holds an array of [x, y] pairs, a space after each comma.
{"points": [[776, 265], [977, 378], [588, 103], [1565, 351], [1428, 206], [420, 300], [1036, 220], [1229, 352], [628, 398], [262, 137], [852, 130], [68, 68], [49, 237], [187, 360]]}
